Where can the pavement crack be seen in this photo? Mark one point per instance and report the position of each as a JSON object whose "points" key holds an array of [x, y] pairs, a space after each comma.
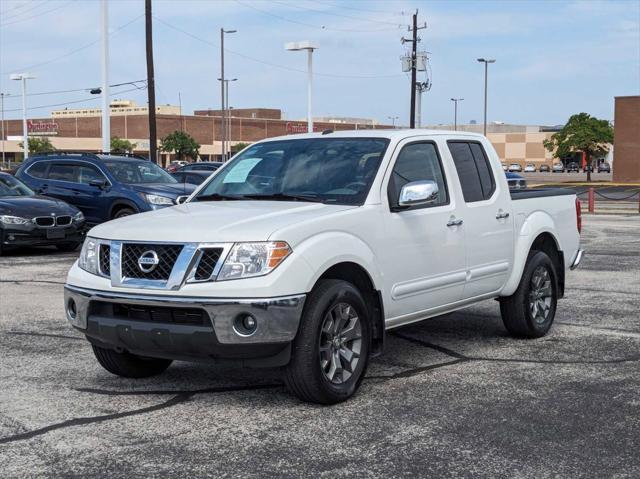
{"points": [[82, 421], [21, 281], [415, 371], [47, 335], [220, 389], [426, 344]]}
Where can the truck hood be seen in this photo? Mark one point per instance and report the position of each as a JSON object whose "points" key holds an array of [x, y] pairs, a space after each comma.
{"points": [[214, 221]]}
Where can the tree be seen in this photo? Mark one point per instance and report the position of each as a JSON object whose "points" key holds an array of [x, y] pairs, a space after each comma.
{"points": [[120, 145], [180, 143], [583, 133], [38, 145], [239, 147]]}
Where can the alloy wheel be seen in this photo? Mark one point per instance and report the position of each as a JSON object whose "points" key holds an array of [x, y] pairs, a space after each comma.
{"points": [[340, 343], [540, 294]]}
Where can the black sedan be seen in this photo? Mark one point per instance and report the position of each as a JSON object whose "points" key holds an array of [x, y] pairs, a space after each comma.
{"points": [[201, 166], [27, 219], [191, 177], [545, 169]]}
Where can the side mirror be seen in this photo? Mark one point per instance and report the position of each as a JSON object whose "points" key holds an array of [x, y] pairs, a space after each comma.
{"points": [[418, 193], [182, 199], [99, 183]]}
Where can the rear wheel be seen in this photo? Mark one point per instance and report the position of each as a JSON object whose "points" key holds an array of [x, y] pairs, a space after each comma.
{"points": [[530, 310], [331, 350], [121, 213], [129, 365]]}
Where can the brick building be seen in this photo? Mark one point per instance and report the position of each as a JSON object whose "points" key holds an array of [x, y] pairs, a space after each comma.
{"points": [[626, 139]]}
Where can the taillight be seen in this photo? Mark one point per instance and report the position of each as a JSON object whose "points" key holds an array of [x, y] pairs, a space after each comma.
{"points": [[578, 215]]}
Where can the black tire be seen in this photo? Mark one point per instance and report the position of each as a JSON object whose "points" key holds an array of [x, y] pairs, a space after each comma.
{"points": [[129, 365], [305, 376], [121, 213], [67, 247], [520, 316]]}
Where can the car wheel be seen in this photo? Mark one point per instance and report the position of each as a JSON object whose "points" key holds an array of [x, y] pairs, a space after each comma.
{"points": [[67, 247], [530, 310], [331, 350], [129, 365], [123, 212]]}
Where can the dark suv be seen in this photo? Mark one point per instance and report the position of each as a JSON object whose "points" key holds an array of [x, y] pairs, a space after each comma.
{"points": [[102, 186]]}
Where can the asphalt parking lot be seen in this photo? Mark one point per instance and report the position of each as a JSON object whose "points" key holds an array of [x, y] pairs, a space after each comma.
{"points": [[451, 397]]}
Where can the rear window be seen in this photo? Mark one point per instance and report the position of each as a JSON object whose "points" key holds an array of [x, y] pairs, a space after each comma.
{"points": [[474, 170]]}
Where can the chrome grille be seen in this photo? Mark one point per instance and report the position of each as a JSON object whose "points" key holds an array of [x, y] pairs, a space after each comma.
{"points": [[63, 220], [207, 263], [167, 256], [105, 259]]}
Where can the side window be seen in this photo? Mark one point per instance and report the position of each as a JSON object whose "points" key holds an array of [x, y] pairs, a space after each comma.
{"points": [[473, 170], [62, 172], [194, 179], [417, 162], [38, 170], [87, 173]]}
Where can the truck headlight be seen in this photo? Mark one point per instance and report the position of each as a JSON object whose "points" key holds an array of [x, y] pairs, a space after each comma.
{"points": [[246, 260], [157, 200], [78, 217], [88, 260], [13, 220]]}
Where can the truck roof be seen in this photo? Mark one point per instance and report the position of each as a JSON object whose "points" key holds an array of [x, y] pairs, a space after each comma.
{"points": [[392, 134]]}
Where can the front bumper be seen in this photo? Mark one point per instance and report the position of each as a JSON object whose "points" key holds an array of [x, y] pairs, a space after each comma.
{"points": [[186, 328], [16, 236]]}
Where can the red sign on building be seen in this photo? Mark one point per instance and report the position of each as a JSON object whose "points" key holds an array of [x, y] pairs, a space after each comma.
{"points": [[298, 127], [42, 128]]}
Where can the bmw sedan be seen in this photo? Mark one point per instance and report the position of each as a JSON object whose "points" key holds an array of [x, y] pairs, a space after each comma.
{"points": [[27, 219]]}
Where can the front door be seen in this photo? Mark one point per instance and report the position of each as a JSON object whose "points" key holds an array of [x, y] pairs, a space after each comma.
{"points": [[423, 259]]}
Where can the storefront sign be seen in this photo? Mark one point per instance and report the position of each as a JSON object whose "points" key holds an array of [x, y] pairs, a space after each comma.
{"points": [[298, 127], [42, 128]]}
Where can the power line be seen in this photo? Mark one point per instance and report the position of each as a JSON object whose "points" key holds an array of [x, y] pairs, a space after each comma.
{"points": [[74, 51], [357, 9], [325, 12], [275, 65], [71, 102], [79, 89], [321, 27], [19, 14], [38, 14]]}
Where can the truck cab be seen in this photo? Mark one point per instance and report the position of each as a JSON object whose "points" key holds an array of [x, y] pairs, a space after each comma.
{"points": [[304, 250]]}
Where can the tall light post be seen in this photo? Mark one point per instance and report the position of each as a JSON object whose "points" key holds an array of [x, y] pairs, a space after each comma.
{"points": [[486, 68], [222, 92], [23, 77], [106, 125], [227, 129], [455, 112], [393, 120], [309, 47], [2, 122]]}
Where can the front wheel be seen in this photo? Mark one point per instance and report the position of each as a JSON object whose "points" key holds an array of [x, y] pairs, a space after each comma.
{"points": [[331, 350], [129, 365], [530, 310], [123, 212]]}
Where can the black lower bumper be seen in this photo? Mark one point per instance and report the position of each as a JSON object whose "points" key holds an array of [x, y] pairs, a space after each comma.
{"points": [[15, 238]]}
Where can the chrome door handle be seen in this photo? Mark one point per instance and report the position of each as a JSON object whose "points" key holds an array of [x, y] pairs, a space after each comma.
{"points": [[454, 223], [501, 216]]}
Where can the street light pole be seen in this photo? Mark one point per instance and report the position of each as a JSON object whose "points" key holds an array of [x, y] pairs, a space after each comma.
{"points": [[23, 77], [455, 112], [106, 127], [310, 47], [222, 93], [486, 68], [2, 122], [393, 120]]}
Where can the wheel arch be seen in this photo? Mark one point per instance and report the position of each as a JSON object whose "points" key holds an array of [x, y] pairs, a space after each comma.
{"points": [[120, 204]]}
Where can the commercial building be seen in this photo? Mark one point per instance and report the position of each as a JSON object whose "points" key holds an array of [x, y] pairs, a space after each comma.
{"points": [[626, 139], [116, 108]]}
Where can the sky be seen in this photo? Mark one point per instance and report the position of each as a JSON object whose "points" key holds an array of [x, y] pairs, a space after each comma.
{"points": [[553, 58]]}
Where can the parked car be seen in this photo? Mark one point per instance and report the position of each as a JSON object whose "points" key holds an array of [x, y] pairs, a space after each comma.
{"points": [[558, 168], [103, 187], [573, 167], [191, 177], [305, 249], [175, 165], [544, 169], [587, 168], [515, 181], [202, 166], [27, 219], [505, 167], [604, 167], [530, 168], [515, 167]]}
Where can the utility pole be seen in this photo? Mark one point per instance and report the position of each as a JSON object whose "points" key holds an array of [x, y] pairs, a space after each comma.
{"points": [[106, 125], [222, 93], [455, 112], [2, 121], [414, 67], [151, 84]]}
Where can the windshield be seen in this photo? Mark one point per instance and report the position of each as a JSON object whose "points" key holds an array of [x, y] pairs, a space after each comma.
{"points": [[10, 186], [138, 172], [338, 170]]}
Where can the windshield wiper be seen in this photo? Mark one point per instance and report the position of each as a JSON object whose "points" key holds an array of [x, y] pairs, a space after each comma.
{"points": [[285, 197], [218, 197]]}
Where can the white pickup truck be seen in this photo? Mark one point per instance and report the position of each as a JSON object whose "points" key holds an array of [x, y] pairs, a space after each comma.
{"points": [[303, 250]]}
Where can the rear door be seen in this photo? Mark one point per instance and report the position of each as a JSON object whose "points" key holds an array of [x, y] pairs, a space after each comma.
{"points": [[488, 219], [424, 256], [90, 199]]}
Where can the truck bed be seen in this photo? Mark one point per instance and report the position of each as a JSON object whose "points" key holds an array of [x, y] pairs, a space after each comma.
{"points": [[540, 193]]}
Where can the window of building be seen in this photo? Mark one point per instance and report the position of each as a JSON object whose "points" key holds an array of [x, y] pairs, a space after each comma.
{"points": [[418, 162], [474, 170]]}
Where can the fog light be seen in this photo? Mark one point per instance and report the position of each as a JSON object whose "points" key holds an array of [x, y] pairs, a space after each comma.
{"points": [[245, 325], [12, 238], [72, 311]]}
